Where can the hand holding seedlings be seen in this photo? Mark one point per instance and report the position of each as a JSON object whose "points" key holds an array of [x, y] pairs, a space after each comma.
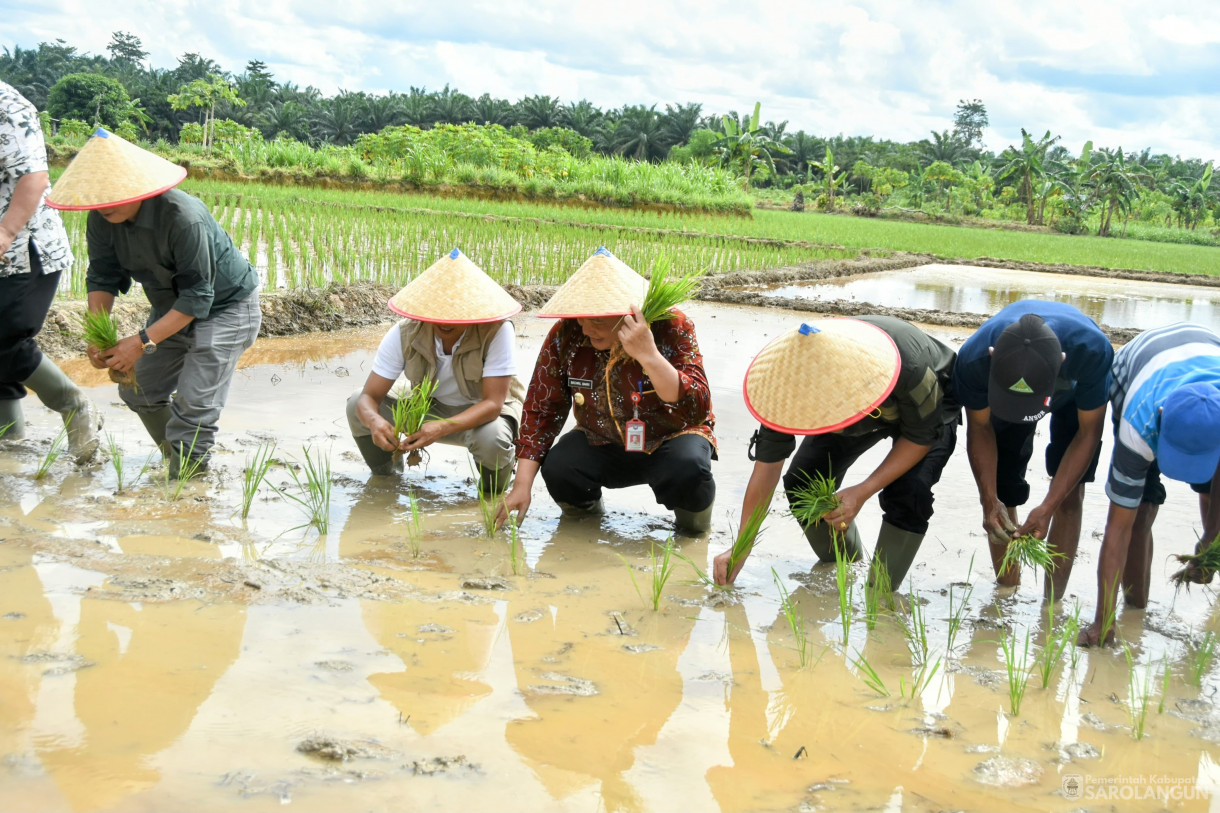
{"points": [[635, 335], [851, 500]]}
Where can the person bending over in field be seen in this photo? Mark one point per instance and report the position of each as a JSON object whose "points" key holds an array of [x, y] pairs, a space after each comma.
{"points": [[1031, 359], [642, 404], [846, 385], [34, 251], [203, 292], [1165, 399], [455, 338]]}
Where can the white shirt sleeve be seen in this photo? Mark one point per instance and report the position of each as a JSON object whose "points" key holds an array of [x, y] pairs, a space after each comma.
{"points": [[388, 362], [501, 353]]}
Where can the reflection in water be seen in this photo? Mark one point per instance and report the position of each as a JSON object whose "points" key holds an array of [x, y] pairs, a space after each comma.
{"points": [[970, 289]]}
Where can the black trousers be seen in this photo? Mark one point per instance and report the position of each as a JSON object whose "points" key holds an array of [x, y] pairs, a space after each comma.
{"points": [[1015, 447], [679, 472], [24, 302], [906, 502]]}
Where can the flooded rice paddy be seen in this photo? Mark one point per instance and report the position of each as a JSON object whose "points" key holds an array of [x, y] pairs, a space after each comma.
{"points": [[1115, 302], [167, 654]]}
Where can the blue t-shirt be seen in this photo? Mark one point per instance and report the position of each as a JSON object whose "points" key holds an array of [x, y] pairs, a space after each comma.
{"points": [[1084, 371]]}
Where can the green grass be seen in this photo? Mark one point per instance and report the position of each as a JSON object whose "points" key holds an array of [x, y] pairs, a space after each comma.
{"points": [[869, 675], [877, 591], [1017, 669], [55, 451], [315, 490], [1139, 693], [1199, 658], [845, 582], [1058, 641]]}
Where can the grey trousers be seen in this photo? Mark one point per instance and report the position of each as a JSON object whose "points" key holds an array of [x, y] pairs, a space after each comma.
{"points": [[191, 371], [493, 445]]}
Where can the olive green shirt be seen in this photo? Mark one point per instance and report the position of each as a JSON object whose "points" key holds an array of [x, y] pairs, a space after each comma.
{"points": [[176, 250]]}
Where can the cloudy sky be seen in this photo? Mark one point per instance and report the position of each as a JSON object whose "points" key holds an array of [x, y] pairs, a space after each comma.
{"points": [[1122, 73]]}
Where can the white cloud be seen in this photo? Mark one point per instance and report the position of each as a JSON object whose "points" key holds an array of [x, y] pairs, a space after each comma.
{"points": [[1106, 70]]}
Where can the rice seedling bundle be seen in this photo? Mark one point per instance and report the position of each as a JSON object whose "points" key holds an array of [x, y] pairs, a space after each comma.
{"points": [[813, 499], [1199, 566], [1028, 549], [664, 294], [410, 411], [101, 330]]}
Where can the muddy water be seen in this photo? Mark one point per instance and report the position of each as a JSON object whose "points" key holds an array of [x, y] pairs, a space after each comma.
{"points": [[970, 289], [167, 654]]}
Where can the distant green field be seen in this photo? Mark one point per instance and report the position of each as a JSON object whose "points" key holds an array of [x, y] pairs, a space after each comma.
{"points": [[306, 236]]}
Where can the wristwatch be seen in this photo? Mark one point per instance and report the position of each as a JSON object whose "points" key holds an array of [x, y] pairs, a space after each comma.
{"points": [[149, 345]]}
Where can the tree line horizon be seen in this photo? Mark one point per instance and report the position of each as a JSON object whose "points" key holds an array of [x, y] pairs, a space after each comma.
{"points": [[951, 172]]}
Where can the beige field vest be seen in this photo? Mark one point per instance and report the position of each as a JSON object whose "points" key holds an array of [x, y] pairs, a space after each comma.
{"points": [[419, 358]]}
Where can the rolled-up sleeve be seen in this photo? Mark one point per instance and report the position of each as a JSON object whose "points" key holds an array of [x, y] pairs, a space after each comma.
{"points": [[105, 274], [192, 275]]}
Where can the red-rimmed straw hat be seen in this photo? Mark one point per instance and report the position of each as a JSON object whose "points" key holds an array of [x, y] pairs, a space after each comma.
{"points": [[822, 377], [456, 291], [110, 171], [603, 286]]}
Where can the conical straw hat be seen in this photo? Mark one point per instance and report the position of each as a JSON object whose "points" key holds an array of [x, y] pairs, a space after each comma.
{"points": [[110, 171], [453, 289], [822, 377], [603, 286]]}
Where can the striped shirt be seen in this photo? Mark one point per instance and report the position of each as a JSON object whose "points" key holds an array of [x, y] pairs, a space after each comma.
{"points": [[1145, 372]]}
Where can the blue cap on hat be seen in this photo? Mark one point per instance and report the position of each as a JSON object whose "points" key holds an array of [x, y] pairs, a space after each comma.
{"points": [[1189, 444]]}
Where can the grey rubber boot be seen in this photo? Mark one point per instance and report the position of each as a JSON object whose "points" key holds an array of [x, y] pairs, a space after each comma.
{"points": [[694, 522], [12, 416], [379, 461], [80, 416], [896, 550], [494, 483], [154, 424], [818, 535]]}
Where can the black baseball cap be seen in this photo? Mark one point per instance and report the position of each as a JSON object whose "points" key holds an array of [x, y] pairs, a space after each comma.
{"points": [[1024, 365]]}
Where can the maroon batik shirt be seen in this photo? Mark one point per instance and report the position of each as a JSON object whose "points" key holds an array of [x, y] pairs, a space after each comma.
{"points": [[568, 365]]}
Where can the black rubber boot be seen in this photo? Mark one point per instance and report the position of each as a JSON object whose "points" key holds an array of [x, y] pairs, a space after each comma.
{"points": [[693, 522]]}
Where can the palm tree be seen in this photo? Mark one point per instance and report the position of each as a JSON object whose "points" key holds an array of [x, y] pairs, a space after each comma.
{"points": [[803, 150], [679, 122], [944, 146], [380, 112], [539, 111], [639, 135], [337, 120], [1027, 164], [584, 118], [290, 118], [417, 108], [489, 110], [452, 107]]}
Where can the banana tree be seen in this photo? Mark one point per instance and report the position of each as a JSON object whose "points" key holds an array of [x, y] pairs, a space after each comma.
{"points": [[746, 147], [1027, 164]]}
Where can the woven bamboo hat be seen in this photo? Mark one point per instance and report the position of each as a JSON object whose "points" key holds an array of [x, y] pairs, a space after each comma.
{"points": [[110, 171], [454, 290], [603, 286], [822, 377]]}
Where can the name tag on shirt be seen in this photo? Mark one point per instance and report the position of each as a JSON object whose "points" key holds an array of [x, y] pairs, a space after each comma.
{"points": [[580, 383]]}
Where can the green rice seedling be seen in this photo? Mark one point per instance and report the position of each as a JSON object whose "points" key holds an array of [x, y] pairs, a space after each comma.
{"points": [[189, 466], [812, 499], [147, 465], [315, 490], [747, 536], [1139, 694], [1057, 642], [56, 449], [1199, 658], [516, 552], [1017, 668], [958, 605], [701, 576], [257, 466], [1028, 549], [1199, 566], [869, 675], [876, 591], [796, 621], [415, 524], [664, 294], [100, 329], [4, 429], [922, 680], [1107, 621], [845, 581], [915, 628], [116, 459], [661, 568], [410, 411]]}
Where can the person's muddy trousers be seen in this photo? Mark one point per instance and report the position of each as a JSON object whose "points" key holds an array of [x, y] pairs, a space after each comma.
{"points": [[679, 471], [189, 375]]}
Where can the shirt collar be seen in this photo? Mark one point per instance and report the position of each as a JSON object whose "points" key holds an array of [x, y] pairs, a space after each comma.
{"points": [[146, 217]]}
